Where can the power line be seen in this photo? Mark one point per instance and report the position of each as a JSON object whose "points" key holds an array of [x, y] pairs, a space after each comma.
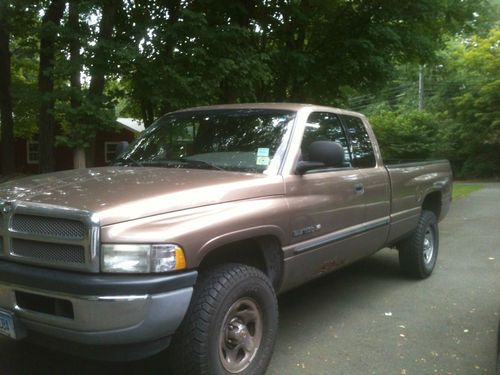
{"points": [[409, 91]]}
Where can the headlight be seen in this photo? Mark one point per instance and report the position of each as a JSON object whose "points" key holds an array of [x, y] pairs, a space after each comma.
{"points": [[139, 258]]}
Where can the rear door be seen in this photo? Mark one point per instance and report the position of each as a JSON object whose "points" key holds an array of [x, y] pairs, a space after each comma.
{"points": [[374, 181]]}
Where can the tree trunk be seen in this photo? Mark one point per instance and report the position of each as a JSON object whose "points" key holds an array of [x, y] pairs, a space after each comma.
{"points": [[101, 62], [100, 65], [147, 112], [46, 118], [7, 123], [74, 53], [79, 160]]}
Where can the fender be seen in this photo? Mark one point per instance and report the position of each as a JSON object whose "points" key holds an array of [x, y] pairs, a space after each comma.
{"points": [[240, 235]]}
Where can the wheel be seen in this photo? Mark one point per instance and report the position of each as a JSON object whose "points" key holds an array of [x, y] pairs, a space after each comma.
{"points": [[231, 324], [418, 253]]}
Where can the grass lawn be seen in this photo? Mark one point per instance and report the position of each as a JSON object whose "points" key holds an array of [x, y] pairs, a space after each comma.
{"points": [[463, 190]]}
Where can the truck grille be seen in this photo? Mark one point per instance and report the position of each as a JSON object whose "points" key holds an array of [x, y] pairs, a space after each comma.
{"points": [[48, 226], [49, 236], [48, 252]]}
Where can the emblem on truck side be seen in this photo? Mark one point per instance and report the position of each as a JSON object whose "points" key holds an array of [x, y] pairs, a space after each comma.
{"points": [[307, 230]]}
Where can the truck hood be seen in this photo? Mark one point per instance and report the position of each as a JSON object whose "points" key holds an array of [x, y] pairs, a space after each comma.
{"points": [[119, 194]]}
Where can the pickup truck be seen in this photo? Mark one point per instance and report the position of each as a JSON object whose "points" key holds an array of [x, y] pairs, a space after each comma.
{"points": [[190, 235]]}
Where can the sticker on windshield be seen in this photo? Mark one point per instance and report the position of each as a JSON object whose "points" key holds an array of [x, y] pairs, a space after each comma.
{"points": [[263, 152], [262, 160]]}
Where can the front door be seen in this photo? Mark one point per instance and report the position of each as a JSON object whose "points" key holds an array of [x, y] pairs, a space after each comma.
{"points": [[326, 207]]}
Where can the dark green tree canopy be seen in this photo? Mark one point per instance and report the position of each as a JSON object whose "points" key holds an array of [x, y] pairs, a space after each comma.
{"points": [[77, 64]]}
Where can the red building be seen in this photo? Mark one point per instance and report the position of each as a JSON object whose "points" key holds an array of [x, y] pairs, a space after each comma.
{"points": [[26, 151]]}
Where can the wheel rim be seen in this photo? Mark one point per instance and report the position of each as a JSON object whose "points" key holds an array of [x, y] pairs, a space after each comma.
{"points": [[428, 246], [240, 335]]}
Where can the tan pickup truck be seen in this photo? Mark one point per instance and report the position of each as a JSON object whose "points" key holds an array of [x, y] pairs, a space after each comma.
{"points": [[190, 235]]}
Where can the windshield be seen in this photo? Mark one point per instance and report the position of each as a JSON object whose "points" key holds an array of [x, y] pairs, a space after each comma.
{"points": [[243, 140]]}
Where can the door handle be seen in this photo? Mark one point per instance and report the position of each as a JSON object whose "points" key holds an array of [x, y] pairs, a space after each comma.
{"points": [[359, 188]]}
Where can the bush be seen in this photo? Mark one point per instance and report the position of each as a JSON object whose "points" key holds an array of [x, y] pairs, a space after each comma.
{"points": [[406, 134]]}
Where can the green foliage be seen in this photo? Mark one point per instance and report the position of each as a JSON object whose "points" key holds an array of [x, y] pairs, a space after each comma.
{"points": [[462, 117], [165, 55], [90, 117], [24, 18], [406, 134], [25, 97], [209, 51], [470, 97]]}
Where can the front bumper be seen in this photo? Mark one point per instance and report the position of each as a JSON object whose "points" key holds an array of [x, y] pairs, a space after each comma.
{"points": [[95, 309]]}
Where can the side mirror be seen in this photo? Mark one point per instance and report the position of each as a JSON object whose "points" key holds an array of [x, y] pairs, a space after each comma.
{"points": [[322, 154], [121, 147]]}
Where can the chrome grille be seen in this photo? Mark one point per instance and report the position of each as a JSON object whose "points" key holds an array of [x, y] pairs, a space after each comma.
{"points": [[50, 236], [48, 226], [48, 252]]}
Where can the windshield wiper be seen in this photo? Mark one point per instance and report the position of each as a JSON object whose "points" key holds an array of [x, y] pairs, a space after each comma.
{"points": [[200, 163], [126, 159]]}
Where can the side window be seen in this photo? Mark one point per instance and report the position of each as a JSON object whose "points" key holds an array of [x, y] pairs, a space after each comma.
{"points": [[324, 126], [32, 152], [110, 151], [361, 146]]}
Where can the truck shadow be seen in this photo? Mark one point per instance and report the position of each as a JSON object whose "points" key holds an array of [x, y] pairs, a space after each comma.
{"points": [[332, 296]]}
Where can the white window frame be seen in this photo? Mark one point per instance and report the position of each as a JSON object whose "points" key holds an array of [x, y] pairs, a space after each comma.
{"points": [[106, 145], [29, 160]]}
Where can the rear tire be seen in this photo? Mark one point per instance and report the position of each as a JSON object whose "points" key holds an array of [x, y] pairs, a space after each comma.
{"points": [[230, 326], [418, 253]]}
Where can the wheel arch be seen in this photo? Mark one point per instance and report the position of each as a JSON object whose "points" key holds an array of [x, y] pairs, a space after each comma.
{"points": [[433, 202], [262, 252]]}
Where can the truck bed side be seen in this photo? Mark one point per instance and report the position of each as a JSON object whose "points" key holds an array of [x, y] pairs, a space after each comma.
{"points": [[417, 185]]}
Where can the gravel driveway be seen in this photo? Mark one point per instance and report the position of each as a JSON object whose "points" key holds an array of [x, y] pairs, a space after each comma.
{"points": [[368, 319]]}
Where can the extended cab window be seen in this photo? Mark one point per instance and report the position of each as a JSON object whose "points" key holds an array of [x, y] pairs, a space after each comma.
{"points": [[324, 126], [361, 146]]}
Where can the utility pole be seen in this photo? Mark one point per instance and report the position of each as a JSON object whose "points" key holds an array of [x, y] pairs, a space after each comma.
{"points": [[421, 87]]}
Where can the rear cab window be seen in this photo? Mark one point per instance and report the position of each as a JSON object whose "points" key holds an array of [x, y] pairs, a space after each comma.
{"points": [[361, 147]]}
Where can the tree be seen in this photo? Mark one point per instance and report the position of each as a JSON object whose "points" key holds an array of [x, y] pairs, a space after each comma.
{"points": [[461, 121], [18, 77], [324, 47], [47, 122], [86, 108], [148, 57], [7, 122], [469, 94], [75, 62]]}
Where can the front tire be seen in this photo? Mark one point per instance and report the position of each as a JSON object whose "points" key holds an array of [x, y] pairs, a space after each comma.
{"points": [[418, 253], [231, 324]]}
